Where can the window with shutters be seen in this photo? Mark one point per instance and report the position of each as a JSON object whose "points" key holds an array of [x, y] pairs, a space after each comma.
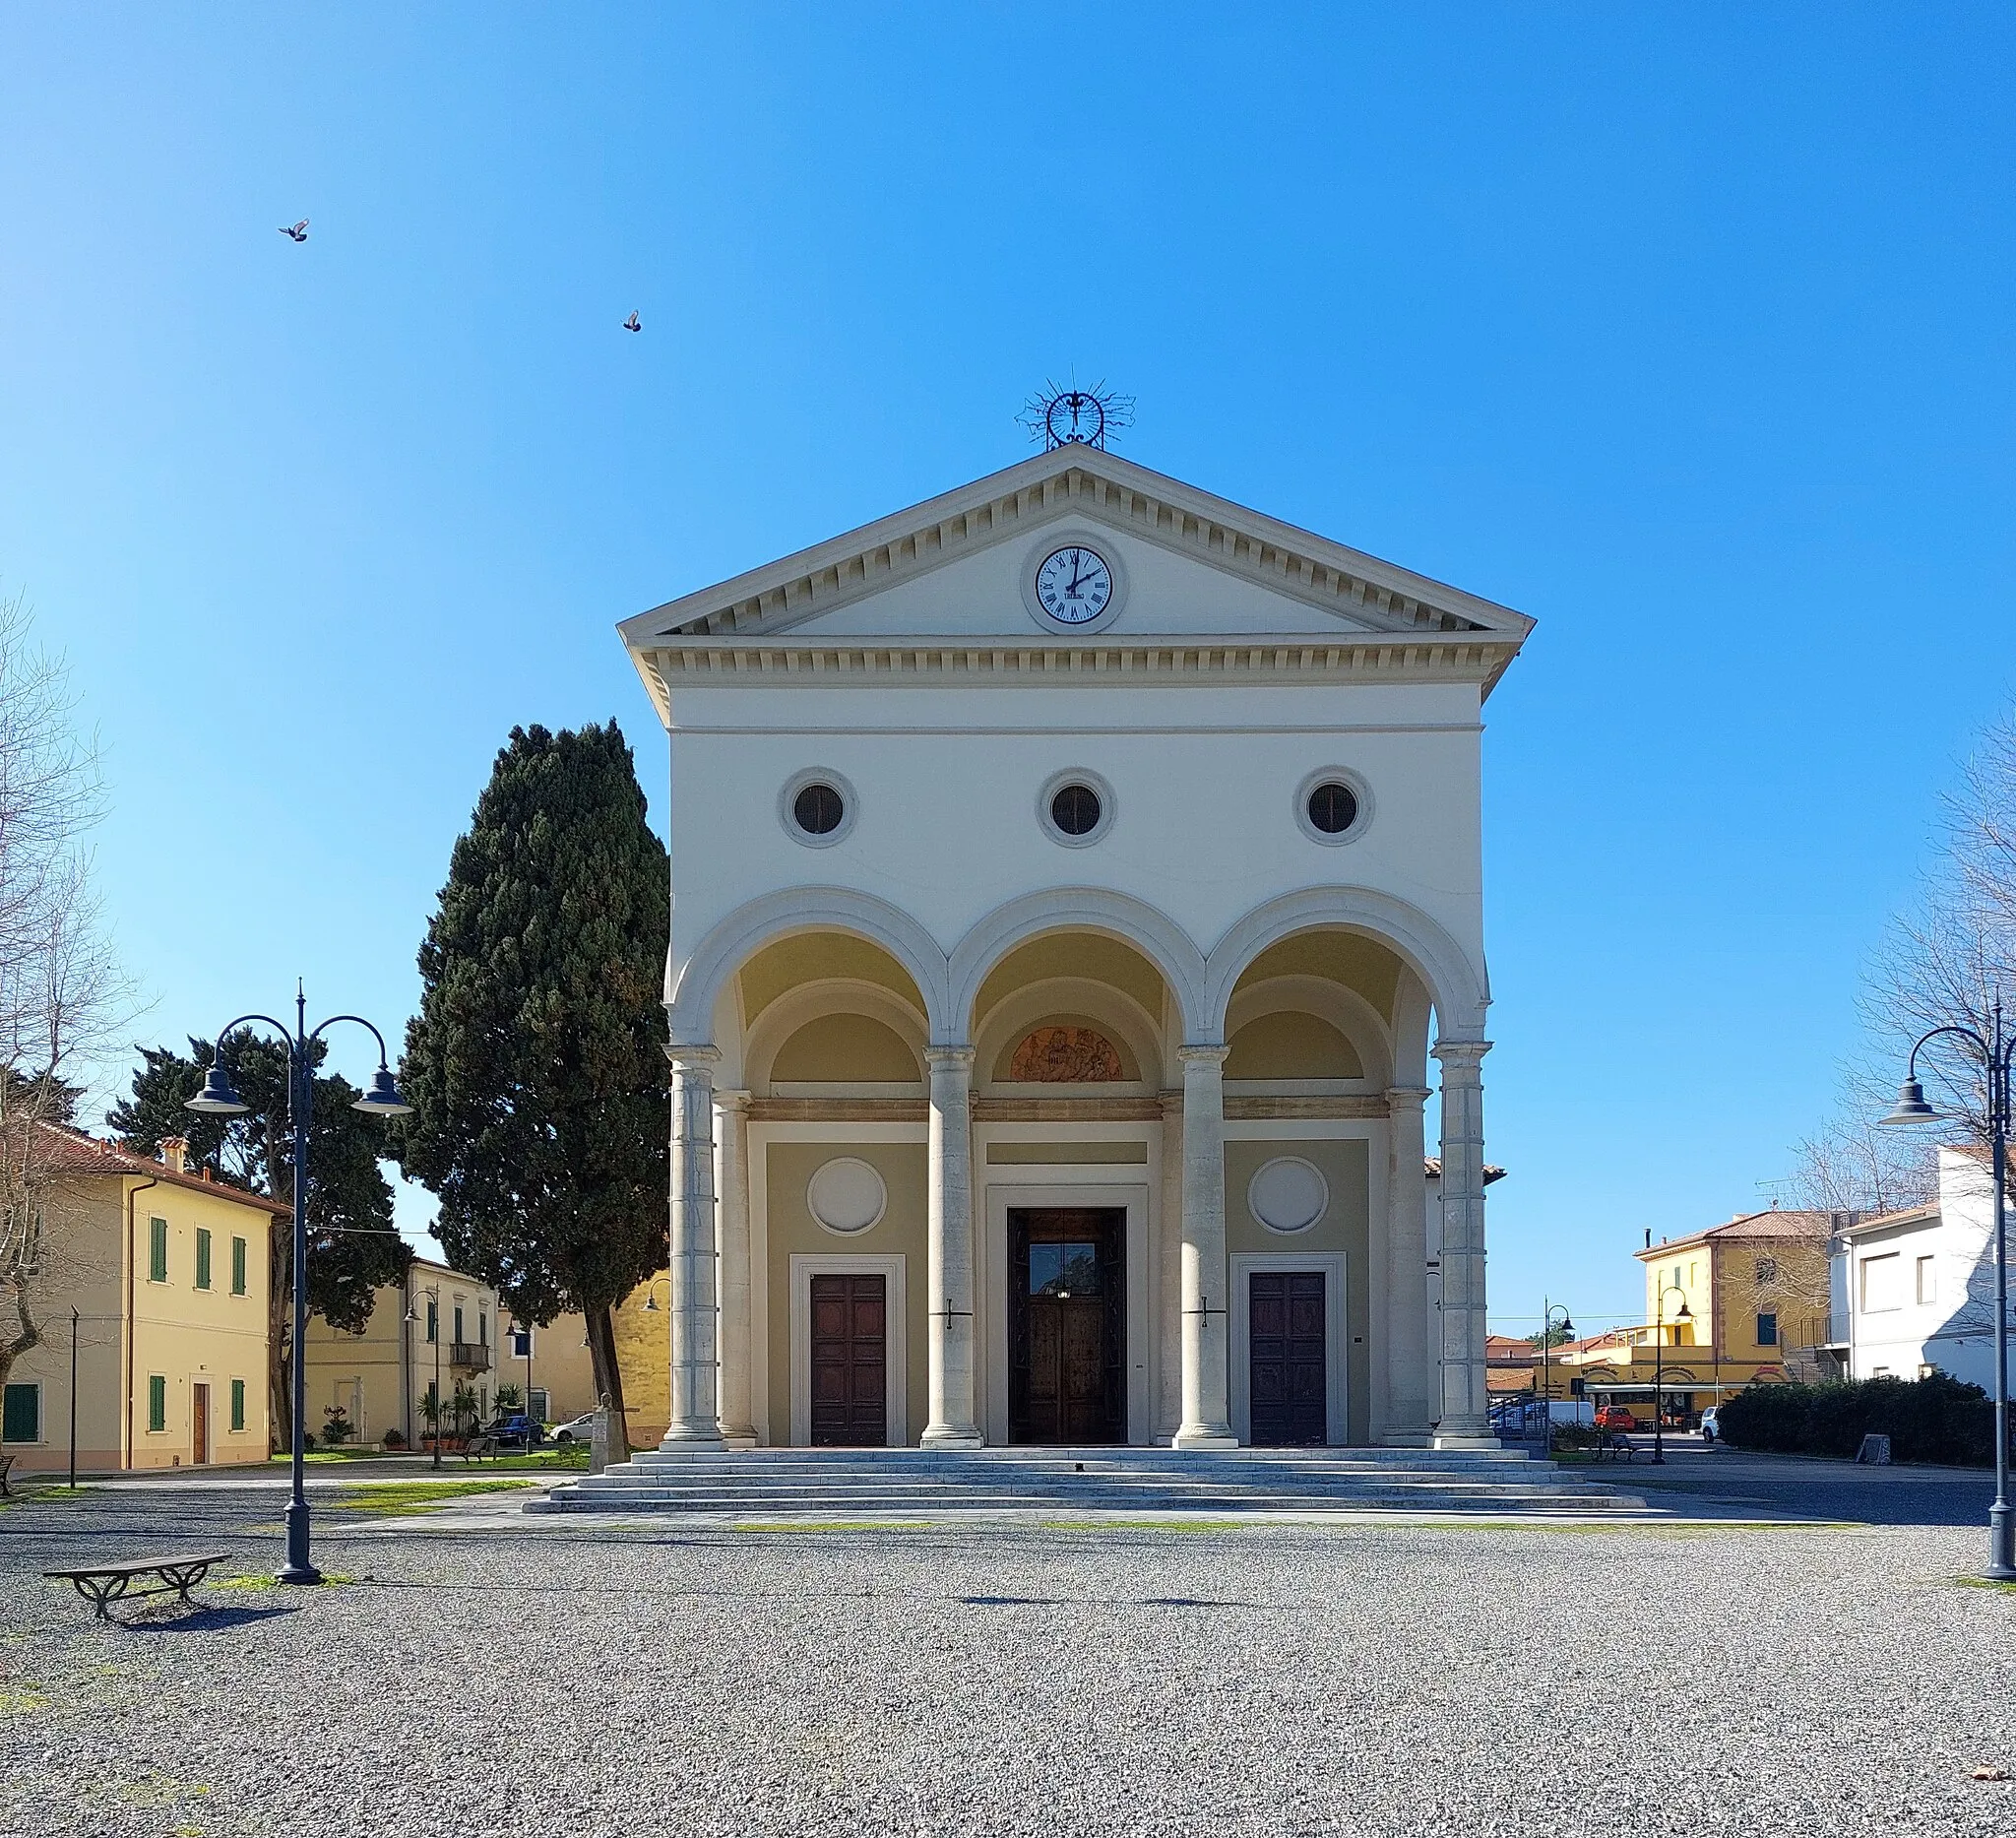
{"points": [[1767, 1330], [238, 1404], [458, 1324], [201, 1257], [238, 1266], [21, 1419], [433, 1319], [156, 1250], [156, 1405]]}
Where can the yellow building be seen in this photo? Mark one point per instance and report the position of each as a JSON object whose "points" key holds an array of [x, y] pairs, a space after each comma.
{"points": [[439, 1326], [1725, 1308], [168, 1275], [547, 1367]]}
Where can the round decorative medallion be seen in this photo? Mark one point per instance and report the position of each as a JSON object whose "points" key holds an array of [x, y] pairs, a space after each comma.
{"points": [[1288, 1194], [847, 1196]]}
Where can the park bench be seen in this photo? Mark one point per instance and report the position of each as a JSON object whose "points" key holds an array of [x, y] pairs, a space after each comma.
{"points": [[476, 1447], [103, 1584], [6, 1463], [1619, 1448]]}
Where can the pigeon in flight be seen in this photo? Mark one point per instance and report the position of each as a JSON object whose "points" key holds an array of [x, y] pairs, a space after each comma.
{"points": [[633, 324], [297, 232]]}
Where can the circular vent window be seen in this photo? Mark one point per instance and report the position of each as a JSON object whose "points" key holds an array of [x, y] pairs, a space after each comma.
{"points": [[1076, 807], [1333, 805], [1076, 810], [817, 807]]}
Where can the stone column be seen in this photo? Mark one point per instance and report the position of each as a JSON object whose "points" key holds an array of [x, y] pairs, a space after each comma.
{"points": [[1412, 1378], [1206, 1281], [738, 1326], [1168, 1287], [1464, 1410], [695, 1423], [949, 1241]]}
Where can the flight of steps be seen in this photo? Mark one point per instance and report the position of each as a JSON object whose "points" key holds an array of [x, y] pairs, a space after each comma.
{"points": [[847, 1483]]}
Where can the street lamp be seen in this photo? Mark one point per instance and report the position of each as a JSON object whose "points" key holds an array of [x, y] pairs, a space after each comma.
{"points": [[1547, 1324], [1659, 1363], [218, 1097], [432, 1291], [1995, 1052]]}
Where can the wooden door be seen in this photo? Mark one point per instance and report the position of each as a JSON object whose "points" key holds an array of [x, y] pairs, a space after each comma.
{"points": [[1067, 1324], [199, 1400], [850, 1356], [1290, 1372]]}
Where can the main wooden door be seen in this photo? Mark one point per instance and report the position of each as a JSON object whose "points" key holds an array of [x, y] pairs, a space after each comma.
{"points": [[199, 1396], [1291, 1365], [849, 1362], [1067, 1326]]}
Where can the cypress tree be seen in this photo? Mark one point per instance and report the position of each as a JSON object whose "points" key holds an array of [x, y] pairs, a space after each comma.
{"points": [[535, 1067]]}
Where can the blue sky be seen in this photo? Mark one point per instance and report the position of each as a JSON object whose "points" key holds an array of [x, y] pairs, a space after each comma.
{"points": [[1685, 330]]}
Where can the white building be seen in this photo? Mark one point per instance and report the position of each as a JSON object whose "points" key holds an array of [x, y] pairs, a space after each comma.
{"points": [[1074, 879], [1922, 1284]]}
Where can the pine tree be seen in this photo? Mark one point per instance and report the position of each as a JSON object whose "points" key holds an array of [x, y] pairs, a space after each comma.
{"points": [[353, 1247], [535, 1067]]}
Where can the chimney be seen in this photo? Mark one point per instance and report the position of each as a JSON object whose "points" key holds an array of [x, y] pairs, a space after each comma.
{"points": [[175, 1153]]}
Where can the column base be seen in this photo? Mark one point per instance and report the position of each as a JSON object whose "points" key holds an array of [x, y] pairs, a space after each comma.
{"points": [[681, 1440], [1205, 1436], [1455, 1440], [738, 1438], [946, 1436], [1405, 1439]]}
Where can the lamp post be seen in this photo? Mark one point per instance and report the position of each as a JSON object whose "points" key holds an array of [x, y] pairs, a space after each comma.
{"points": [[432, 1292], [1658, 1364], [1547, 1324], [220, 1098], [1995, 1052]]}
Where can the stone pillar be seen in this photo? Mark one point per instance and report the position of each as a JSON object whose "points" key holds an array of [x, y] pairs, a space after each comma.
{"points": [[949, 1241], [1464, 1410], [738, 1324], [1206, 1280], [1169, 1288], [695, 1423], [1413, 1378]]}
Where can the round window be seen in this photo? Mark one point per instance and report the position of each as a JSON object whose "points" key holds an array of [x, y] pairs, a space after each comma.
{"points": [[818, 808], [1075, 809], [1333, 807]]}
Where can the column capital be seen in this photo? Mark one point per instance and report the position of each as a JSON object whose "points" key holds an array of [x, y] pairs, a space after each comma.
{"points": [[1407, 1096], [1202, 1053], [949, 1057], [732, 1099], [1460, 1053], [701, 1055]]}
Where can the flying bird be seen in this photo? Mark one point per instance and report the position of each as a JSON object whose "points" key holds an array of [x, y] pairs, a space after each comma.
{"points": [[633, 324], [298, 231]]}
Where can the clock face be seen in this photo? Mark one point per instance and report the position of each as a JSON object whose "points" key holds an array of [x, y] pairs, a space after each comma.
{"points": [[1074, 585]]}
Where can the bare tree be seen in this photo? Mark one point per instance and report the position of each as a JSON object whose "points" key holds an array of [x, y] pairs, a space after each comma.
{"points": [[1943, 964], [62, 996]]}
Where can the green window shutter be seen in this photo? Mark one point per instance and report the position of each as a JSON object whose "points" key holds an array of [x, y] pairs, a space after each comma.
{"points": [[22, 1420], [238, 1266], [201, 1257], [156, 1250], [237, 1402], [157, 1404]]}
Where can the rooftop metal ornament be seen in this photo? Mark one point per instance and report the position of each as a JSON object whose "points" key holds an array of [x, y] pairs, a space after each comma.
{"points": [[1065, 416]]}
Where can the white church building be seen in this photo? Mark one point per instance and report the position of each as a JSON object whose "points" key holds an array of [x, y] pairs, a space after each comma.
{"points": [[1076, 878]]}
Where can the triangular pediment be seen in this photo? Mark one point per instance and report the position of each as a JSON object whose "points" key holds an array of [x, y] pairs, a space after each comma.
{"points": [[950, 569]]}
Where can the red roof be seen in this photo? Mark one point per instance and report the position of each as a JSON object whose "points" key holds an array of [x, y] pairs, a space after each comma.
{"points": [[93, 1156]]}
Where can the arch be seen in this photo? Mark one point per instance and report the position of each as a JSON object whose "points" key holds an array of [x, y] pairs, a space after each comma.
{"points": [[812, 1001], [1456, 986], [1343, 1007], [690, 996], [1157, 936]]}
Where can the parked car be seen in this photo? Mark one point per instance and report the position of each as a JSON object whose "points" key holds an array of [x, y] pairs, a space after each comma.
{"points": [[1616, 1416], [1711, 1424], [575, 1430], [517, 1429]]}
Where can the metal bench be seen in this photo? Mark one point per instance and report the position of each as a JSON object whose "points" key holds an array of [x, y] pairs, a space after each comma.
{"points": [[476, 1447], [6, 1463], [103, 1584]]}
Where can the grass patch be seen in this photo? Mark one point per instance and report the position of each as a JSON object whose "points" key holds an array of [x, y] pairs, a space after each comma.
{"points": [[23, 1699], [404, 1496], [1150, 1525], [833, 1525], [1987, 1582]]}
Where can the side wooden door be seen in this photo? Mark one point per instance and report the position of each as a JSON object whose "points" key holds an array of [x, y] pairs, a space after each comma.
{"points": [[199, 1404], [1290, 1369], [850, 1356]]}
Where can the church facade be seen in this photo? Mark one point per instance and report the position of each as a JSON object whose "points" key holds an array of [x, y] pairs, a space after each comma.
{"points": [[1076, 887]]}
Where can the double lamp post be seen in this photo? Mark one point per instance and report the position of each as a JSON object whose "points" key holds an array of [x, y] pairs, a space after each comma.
{"points": [[220, 1098], [1995, 1050]]}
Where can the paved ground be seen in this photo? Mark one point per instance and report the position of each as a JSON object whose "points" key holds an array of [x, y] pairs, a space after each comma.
{"points": [[533, 1677]]}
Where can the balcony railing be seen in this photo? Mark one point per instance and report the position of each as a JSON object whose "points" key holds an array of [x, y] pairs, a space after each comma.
{"points": [[469, 1356]]}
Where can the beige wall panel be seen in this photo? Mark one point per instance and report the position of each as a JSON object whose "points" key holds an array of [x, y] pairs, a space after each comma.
{"points": [[1287, 1045], [1345, 1226], [1072, 953], [1346, 957], [791, 1229], [836, 1049], [813, 957]]}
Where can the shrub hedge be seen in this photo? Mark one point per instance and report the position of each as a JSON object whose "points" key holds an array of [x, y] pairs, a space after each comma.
{"points": [[1927, 1419]]}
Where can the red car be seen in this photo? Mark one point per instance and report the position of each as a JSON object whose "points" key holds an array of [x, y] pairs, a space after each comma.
{"points": [[1615, 1417]]}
